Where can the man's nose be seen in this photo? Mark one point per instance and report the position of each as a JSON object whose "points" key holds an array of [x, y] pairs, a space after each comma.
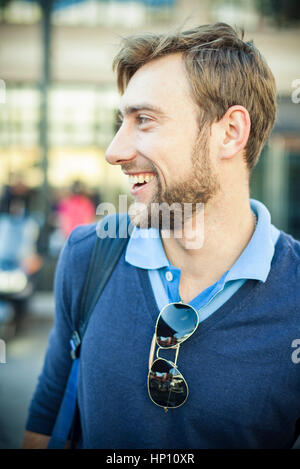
{"points": [[121, 148]]}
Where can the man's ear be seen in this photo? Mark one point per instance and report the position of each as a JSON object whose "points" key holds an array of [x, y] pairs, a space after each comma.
{"points": [[233, 131]]}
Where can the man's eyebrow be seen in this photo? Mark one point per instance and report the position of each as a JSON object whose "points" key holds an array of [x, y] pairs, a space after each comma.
{"points": [[127, 110]]}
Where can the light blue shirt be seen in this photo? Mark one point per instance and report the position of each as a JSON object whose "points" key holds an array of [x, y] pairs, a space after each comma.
{"points": [[145, 250]]}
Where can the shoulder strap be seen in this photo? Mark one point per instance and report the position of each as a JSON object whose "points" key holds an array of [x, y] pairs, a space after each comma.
{"points": [[106, 254]]}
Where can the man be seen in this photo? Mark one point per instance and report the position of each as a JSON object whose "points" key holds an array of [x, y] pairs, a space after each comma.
{"points": [[196, 110]]}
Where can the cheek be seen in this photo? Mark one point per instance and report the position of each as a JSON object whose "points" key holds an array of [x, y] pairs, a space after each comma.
{"points": [[151, 146], [169, 152]]}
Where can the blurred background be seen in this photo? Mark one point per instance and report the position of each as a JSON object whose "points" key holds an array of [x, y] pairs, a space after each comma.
{"points": [[58, 101]]}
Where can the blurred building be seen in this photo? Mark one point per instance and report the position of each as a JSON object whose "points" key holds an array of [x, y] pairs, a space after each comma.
{"points": [[81, 94]]}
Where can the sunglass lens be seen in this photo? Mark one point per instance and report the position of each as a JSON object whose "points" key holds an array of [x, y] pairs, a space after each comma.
{"points": [[167, 387], [175, 324]]}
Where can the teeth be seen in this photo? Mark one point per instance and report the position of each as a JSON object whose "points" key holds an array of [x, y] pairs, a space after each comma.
{"points": [[140, 178]]}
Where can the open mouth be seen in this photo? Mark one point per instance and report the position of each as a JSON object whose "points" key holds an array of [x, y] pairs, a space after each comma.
{"points": [[140, 181]]}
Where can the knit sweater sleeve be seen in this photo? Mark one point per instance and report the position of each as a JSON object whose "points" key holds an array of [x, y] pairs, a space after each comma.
{"points": [[68, 282]]}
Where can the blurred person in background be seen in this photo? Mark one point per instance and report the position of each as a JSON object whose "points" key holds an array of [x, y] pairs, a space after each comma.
{"points": [[75, 209], [70, 208], [20, 260], [19, 234], [15, 189], [197, 108]]}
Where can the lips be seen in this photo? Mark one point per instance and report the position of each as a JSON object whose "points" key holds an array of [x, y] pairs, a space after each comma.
{"points": [[140, 181]]}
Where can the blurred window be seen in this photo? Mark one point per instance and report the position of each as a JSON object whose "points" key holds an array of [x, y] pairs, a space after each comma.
{"points": [[19, 117], [21, 12], [81, 116], [77, 115], [110, 13], [81, 123]]}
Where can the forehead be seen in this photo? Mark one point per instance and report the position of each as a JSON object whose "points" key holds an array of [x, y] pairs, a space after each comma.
{"points": [[162, 83]]}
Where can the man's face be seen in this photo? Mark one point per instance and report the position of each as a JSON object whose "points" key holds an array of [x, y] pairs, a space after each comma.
{"points": [[160, 145]]}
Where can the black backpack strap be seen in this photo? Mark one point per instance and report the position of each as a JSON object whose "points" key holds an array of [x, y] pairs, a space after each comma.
{"points": [[106, 254]]}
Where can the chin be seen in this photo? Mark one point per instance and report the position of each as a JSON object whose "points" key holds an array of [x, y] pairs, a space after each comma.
{"points": [[150, 217], [139, 215]]}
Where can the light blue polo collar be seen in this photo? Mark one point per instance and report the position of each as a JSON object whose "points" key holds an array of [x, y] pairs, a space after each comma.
{"points": [[145, 249]]}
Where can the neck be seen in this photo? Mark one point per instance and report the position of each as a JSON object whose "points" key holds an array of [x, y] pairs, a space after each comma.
{"points": [[211, 242]]}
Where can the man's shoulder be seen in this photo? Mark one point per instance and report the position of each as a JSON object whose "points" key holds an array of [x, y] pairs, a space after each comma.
{"points": [[287, 242], [83, 237], [83, 234], [287, 259], [79, 244]]}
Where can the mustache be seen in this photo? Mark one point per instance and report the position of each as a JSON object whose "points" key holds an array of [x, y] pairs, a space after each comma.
{"points": [[132, 167]]}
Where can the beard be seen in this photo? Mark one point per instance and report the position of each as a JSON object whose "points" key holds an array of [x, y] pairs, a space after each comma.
{"points": [[172, 206]]}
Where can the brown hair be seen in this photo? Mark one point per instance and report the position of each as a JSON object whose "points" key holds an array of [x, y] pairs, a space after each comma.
{"points": [[223, 70]]}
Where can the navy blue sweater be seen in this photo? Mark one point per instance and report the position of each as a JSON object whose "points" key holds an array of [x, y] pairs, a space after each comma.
{"points": [[244, 387]]}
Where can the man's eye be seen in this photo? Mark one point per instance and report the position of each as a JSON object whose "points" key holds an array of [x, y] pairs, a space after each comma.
{"points": [[142, 120]]}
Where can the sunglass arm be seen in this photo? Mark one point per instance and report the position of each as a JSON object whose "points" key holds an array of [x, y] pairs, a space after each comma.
{"points": [[152, 349], [176, 355]]}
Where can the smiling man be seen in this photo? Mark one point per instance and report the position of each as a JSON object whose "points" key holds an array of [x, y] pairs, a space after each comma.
{"points": [[196, 109], [166, 132]]}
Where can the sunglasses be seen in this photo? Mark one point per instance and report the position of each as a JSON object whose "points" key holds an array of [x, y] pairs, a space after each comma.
{"points": [[167, 387]]}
